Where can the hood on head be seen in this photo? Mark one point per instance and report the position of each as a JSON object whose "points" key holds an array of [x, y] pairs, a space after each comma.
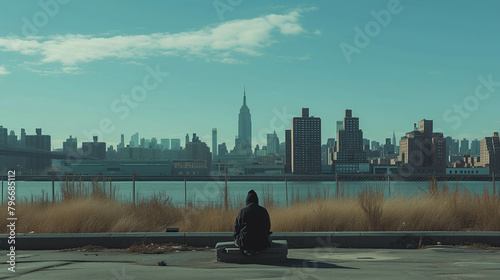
{"points": [[252, 197]]}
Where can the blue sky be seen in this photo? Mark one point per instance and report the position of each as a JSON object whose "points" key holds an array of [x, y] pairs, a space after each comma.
{"points": [[70, 66]]}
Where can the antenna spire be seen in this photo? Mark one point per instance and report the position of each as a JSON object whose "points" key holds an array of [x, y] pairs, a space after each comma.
{"points": [[244, 96]]}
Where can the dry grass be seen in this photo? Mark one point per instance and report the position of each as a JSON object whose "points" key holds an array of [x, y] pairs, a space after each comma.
{"points": [[477, 246], [437, 209], [141, 248], [153, 248]]}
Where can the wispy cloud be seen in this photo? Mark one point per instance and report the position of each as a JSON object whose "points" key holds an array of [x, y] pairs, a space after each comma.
{"points": [[317, 32], [294, 58], [134, 63], [3, 71], [222, 43], [435, 72], [73, 70]]}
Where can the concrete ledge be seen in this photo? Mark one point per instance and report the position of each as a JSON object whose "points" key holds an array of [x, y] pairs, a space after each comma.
{"points": [[202, 239], [390, 240], [230, 253]]}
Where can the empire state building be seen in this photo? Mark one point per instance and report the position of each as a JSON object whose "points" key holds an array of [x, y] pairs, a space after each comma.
{"points": [[244, 141]]}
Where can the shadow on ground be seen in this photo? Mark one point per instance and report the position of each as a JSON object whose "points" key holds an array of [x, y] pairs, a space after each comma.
{"points": [[291, 262]]}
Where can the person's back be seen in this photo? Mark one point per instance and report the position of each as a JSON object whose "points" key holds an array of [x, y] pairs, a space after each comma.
{"points": [[252, 226]]}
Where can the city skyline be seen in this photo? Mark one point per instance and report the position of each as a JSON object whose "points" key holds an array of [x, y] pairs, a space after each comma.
{"points": [[57, 144], [82, 60]]}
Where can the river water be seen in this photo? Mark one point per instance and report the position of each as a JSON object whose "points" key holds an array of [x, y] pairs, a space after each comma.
{"points": [[208, 192]]}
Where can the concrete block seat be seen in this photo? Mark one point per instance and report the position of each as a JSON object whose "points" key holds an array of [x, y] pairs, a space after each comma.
{"points": [[229, 252]]}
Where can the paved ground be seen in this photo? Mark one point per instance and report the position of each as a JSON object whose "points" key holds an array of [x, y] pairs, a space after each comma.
{"points": [[324, 263]]}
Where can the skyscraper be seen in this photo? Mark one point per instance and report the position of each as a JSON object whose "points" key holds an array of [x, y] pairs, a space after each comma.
{"points": [[449, 142], [4, 136], [388, 147], [154, 143], [70, 145], [38, 142], [122, 142], [306, 144], [327, 156], [464, 146], [326, 149], [366, 144], [273, 144], [197, 150], [134, 140], [349, 152], [222, 149], [454, 147], [340, 125], [423, 151], [12, 139], [288, 151], [475, 148], [175, 144], [244, 128], [165, 143], [23, 137], [95, 149], [214, 143], [394, 143], [490, 153]]}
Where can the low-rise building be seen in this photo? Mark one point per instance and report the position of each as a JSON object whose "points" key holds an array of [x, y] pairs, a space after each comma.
{"points": [[490, 152], [467, 171]]}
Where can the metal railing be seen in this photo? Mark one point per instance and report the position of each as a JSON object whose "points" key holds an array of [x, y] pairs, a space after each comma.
{"points": [[284, 189]]}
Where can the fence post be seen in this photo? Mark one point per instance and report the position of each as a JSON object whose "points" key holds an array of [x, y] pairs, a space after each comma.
{"points": [[336, 185], [133, 186], [389, 182], [494, 185], [225, 192], [53, 195], [286, 191]]}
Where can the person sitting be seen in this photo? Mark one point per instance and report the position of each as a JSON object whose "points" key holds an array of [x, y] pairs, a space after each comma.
{"points": [[252, 226]]}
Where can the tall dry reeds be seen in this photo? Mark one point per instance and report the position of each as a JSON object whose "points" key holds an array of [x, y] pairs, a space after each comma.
{"points": [[371, 203], [95, 209], [78, 189]]}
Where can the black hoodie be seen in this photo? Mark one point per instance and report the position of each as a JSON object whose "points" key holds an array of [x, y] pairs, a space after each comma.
{"points": [[252, 226]]}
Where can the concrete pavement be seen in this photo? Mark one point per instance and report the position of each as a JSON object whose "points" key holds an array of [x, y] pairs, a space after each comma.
{"points": [[381, 239], [437, 262]]}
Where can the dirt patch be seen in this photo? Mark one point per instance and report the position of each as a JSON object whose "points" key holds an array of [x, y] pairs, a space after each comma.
{"points": [[152, 248], [477, 246], [143, 248], [89, 248]]}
